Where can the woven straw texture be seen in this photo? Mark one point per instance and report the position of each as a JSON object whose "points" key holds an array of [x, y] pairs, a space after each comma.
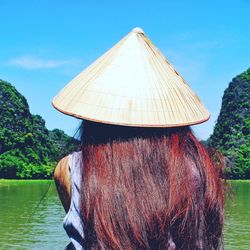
{"points": [[132, 84]]}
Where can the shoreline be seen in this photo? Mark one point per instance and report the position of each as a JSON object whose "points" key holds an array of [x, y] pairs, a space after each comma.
{"points": [[52, 179], [4, 182]]}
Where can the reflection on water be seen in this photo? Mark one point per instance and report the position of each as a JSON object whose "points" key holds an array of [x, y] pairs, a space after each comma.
{"points": [[237, 225], [23, 225], [20, 228]]}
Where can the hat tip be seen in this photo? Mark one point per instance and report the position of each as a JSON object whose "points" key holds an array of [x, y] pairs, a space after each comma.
{"points": [[138, 30]]}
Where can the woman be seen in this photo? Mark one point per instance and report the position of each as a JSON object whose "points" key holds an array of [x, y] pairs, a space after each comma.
{"points": [[141, 180]]}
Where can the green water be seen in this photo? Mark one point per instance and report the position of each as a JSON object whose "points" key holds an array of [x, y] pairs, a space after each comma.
{"points": [[237, 223], [23, 225]]}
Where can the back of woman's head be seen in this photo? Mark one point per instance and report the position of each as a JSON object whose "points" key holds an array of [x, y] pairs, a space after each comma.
{"points": [[148, 188]]}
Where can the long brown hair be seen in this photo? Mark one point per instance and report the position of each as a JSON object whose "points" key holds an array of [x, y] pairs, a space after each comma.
{"points": [[148, 188]]}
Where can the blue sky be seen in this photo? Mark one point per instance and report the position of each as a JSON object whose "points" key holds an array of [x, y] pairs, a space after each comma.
{"points": [[44, 44]]}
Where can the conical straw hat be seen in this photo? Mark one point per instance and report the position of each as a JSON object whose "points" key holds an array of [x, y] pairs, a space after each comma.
{"points": [[132, 84]]}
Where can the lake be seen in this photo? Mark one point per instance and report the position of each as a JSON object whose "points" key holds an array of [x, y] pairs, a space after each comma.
{"points": [[29, 222]]}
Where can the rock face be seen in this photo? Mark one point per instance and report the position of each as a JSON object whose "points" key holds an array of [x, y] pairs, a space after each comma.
{"points": [[27, 148], [231, 133]]}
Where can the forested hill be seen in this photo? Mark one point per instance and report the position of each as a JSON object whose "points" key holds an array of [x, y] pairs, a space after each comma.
{"points": [[232, 131], [27, 148]]}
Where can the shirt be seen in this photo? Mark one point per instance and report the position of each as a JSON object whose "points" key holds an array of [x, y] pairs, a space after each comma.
{"points": [[72, 222]]}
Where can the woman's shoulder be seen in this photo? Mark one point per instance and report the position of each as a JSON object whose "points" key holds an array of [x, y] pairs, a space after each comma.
{"points": [[62, 180], [62, 170], [61, 167]]}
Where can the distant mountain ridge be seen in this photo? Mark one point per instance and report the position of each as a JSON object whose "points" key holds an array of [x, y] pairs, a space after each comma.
{"points": [[231, 133], [27, 148]]}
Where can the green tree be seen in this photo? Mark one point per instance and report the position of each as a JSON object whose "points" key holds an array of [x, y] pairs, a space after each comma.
{"points": [[27, 148], [231, 132]]}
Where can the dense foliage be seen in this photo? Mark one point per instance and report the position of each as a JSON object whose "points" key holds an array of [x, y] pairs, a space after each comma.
{"points": [[231, 133], [27, 148]]}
